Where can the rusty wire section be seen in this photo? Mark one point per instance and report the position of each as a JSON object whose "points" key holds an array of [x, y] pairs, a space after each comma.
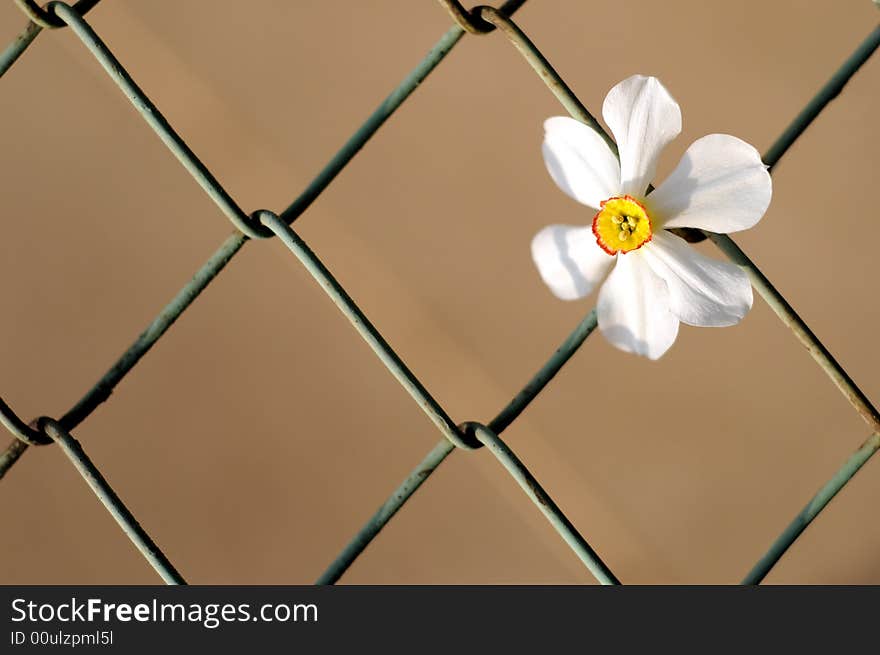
{"points": [[262, 223]]}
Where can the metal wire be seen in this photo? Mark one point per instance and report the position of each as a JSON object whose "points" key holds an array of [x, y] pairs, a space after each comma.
{"points": [[817, 503], [782, 308], [409, 84], [829, 91], [112, 502], [536, 493], [389, 508], [801, 330], [13, 451], [38, 18], [434, 458], [368, 332], [470, 21], [170, 313], [15, 49], [19, 428], [102, 390], [727, 245], [156, 120], [47, 17], [471, 435]]}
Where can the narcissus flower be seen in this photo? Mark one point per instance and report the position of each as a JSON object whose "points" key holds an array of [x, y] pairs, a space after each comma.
{"points": [[657, 280]]}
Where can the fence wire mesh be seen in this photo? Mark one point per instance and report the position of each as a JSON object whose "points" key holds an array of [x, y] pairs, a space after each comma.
{"points": [[467, 435]]}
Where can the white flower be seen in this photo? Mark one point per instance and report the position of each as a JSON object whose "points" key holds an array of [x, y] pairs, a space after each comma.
{"points": [[719, 185]]}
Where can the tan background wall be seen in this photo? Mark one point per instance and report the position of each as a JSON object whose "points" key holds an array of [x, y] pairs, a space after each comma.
{"points": [[261, 431]]}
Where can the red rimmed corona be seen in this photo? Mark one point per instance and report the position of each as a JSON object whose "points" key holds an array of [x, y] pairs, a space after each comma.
{"points": [[655, 280], [622, 225]]}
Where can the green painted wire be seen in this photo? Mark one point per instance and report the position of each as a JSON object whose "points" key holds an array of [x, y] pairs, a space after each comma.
{"points": [[789, 317], [154, 118], [22, 431], [353, 151], [544, 502], [38, 18], [546, 373], [440, 418], [373, 123], [817, 503], [169, 314], [113, 503], [771, 295], [841, 379], [570, 101], [47, 17], [389, 508], [438, 454], [164, 320], [545, 71], [15, 49], [427, 466], [381, 114], [767, 291], [203, 277], [10, 456], [829, 91], [102, 390], [366, 329]]}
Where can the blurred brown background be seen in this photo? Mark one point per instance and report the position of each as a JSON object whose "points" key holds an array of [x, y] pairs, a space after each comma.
{"points": [[261, 432]]}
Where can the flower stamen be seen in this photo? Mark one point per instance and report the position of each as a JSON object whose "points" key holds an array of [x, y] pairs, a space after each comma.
{"points": [[622, 225]]}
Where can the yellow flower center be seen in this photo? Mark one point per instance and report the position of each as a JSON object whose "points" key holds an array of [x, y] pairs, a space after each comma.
{"points": [[622, 225]]}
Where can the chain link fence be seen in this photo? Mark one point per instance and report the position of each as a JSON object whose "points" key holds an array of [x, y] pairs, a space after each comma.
{"points": [[468, 435]]}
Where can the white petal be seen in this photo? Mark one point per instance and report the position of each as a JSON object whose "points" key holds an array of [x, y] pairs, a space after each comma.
{"points": [[720, 185], [644, 118], [634, 308], [702, 291], [569, 260], [579, 161]]}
